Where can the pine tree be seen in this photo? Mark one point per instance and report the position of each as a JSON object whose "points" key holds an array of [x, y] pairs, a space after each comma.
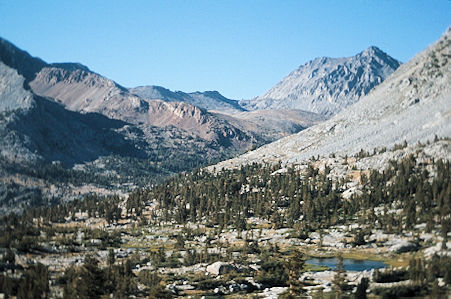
{"points": [[339, 280], [92, 279], [361, 288], [294, 265], [111, 258]]}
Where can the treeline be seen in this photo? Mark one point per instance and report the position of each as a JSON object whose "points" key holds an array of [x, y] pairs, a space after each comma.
{"points": [[308, 201], [159, 165], [52, 172]]}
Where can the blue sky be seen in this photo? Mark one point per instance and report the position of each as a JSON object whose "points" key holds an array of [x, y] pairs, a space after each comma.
{"points": [[240, 48]]}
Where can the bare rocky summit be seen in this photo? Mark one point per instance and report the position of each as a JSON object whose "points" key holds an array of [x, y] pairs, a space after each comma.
{"points": [[413, 105], [327, 85]]}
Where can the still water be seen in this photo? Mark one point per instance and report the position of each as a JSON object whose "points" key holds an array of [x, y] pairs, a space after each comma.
{"points": [[348, 264]]}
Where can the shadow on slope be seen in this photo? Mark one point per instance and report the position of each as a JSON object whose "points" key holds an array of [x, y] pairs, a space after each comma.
{"points": [[56, 134]]}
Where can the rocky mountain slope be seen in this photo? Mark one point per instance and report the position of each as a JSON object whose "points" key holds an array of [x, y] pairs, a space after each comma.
{"points": [[270, 124], [34, 128], [79, 89], [412, 105], [48, 151], [210, 100], [327, 85], [35, 131], [82, 90], [67, 131]]}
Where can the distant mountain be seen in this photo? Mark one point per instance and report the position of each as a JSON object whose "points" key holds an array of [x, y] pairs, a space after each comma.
{"points": [[210, 100], [267, 125], [327, 85], [412, 105], [63, 112], [81, 90], [80, 129], [33, 128]]}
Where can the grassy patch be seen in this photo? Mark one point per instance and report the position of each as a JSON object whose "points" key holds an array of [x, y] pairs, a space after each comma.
{"points": [[399, 261], [315, 268], [393, 261], [362, 255], [320, 254]]}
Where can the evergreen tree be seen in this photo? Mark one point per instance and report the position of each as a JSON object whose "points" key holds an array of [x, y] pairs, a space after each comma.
{"points": [[361, 288], [294, 265], [339, 281], [111, 257]]}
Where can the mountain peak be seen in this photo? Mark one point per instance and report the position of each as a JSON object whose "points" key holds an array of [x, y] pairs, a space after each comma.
{"points": [[412, 105], [328, 85], [372, 50]]}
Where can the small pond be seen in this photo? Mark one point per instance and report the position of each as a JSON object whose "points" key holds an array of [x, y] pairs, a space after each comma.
{"points": [[348, 264]]}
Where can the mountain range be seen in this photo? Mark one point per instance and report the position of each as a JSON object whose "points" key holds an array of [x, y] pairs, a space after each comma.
{"points": [[102, 193], [75, 88], [210, 100], [64, 113]]}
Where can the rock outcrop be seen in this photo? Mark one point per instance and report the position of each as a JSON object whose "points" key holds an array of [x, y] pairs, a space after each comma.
{"points": [[219, 268]]}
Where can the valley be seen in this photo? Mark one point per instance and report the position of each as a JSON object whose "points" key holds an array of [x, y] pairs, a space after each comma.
{"points": [[178, 240], [333, 184]]}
